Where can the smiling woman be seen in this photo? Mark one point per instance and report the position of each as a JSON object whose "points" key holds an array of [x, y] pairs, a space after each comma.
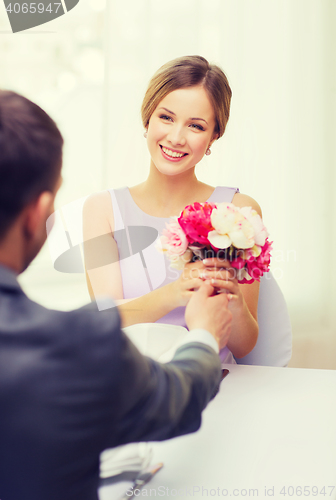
{"points": [[187, 72], [175, 136], [185, 109]]}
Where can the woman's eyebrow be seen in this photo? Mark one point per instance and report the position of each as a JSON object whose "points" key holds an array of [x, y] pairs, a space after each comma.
{"points": [[172, 113], [202, 119]]}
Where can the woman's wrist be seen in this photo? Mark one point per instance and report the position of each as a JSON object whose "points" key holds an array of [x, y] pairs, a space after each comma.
{"points": [[171, 294], [244, 333], [237, 305]]}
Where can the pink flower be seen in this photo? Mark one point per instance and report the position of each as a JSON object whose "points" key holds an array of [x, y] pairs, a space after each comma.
{"points": [[173, 239], [257, 266], [264, 258], [253, 270], [195, 220], [238, 263]]}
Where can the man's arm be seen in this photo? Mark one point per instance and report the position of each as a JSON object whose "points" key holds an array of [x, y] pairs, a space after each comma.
{"points": [[156, 401], [160, 401]]}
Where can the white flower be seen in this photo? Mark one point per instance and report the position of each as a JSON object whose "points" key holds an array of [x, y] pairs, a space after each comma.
{"points": [[231, 228], [253, 252], [260, 231], [242, 274]]}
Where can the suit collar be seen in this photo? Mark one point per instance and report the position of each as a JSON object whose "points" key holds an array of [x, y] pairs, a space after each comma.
{"points": [[8, 279]]}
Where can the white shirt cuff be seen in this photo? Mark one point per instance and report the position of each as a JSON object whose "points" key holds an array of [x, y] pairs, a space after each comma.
{"points": [[200, 335]]}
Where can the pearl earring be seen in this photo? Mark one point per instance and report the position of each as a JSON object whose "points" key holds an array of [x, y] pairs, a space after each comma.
{"points": [[145, 134], [208, 152]]}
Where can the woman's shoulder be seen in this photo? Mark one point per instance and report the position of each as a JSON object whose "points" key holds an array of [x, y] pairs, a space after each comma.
{"points": [[97, 211], [243, 200]]}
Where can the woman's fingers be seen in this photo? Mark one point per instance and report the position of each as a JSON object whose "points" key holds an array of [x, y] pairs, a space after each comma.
{"points": [[217, 262], [219, 265], [229, 286], [193, 270], [218, 272], [222, 275], [199, 270], [194, 283]]}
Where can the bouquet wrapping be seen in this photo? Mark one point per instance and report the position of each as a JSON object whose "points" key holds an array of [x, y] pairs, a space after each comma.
{"points": [[221, 230]]}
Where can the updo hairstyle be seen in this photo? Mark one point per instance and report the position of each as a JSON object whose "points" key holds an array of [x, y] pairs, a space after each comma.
{"points": [[190, 71]]}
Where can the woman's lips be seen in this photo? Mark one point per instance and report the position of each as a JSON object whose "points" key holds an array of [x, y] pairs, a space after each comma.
{"points": [[172, 154]]}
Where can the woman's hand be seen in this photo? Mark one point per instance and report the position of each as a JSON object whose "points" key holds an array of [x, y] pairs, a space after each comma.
{"points": [[223, 279], [243, 299], [243, 303], [188, 282]]}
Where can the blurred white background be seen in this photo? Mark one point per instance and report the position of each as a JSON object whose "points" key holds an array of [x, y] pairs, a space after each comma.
{"points": [[89, 69]]}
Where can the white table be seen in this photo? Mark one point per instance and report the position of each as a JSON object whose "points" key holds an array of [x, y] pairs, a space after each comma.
{"points": [[269, 430]]}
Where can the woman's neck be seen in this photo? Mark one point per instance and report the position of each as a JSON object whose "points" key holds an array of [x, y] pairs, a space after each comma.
{"points": [[168, 194]]}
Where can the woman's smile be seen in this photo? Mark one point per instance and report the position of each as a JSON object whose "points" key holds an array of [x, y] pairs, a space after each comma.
{"points": [[172, 154]]}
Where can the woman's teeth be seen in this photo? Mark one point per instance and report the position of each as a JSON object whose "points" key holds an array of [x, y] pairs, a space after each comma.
{"points": [[172, 153]]}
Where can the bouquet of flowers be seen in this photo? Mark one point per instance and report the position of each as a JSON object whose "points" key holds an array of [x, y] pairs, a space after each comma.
{"points": [[219, 230]]}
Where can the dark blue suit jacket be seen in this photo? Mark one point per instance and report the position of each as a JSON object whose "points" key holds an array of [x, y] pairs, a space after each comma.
{"points": [[72, 385]]}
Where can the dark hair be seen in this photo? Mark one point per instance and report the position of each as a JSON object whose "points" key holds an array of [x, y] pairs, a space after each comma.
{"points": [[30, 155], [190, 71]]}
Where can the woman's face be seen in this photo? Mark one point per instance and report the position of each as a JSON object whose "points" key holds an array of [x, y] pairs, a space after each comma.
{"points": [[180, 130]]}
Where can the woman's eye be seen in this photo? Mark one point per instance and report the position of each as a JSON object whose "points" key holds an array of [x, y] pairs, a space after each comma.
{"points": [[166, 117], [196, 126]]}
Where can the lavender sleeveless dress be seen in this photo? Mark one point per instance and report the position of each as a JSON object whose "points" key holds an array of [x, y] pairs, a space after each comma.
{"points": [[146, 269]]}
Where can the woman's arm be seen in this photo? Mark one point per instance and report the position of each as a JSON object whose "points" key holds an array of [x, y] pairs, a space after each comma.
{"points": [[100, 249], [245, 328], [103, 273], [243, 303]]}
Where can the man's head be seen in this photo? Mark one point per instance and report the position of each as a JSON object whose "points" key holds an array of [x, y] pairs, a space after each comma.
{"points": [[30, 164]]}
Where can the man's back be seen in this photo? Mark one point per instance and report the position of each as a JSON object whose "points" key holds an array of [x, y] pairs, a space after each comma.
{"points": [[71, 385], [57, 381]]}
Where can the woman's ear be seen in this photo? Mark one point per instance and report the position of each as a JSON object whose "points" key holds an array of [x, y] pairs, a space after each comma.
{"points": [[214, 138]]}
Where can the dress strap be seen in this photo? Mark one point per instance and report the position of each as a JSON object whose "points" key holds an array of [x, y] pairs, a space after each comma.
{"points": [[223, 194], [118, 220]]}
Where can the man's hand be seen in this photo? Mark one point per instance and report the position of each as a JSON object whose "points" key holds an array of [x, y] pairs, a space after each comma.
{"points": [[211, 313]]}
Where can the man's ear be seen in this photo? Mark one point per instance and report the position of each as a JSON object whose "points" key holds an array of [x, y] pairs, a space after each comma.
{"points": [[37, 213]]}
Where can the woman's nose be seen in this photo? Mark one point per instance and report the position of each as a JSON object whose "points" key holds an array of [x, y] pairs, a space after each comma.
{"points": [[176, 136]]}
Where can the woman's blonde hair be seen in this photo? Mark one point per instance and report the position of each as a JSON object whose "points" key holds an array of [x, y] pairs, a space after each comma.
{"points": [[190, 71]]}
